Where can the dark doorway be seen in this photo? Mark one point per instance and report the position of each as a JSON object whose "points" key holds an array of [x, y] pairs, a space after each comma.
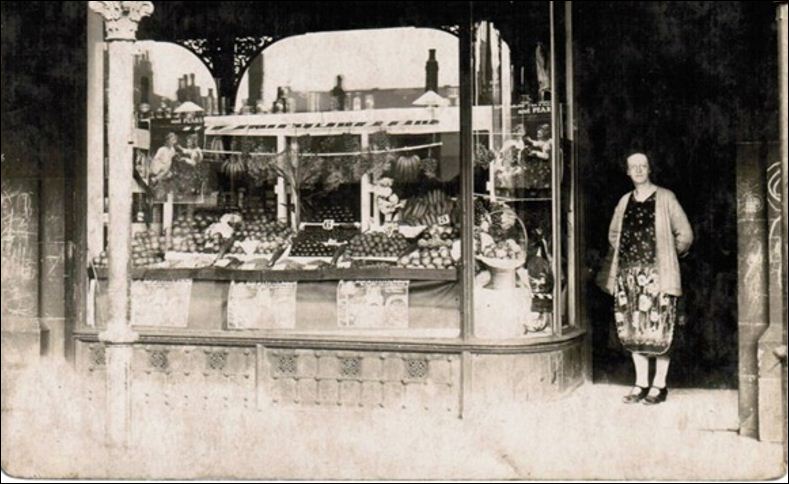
{"points": [[682, 82]]}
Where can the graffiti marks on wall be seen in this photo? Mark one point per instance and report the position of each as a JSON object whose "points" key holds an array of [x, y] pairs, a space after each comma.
{"points": [[19, 249]]}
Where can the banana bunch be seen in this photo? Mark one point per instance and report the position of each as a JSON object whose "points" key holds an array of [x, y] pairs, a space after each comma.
{"points": [[234, 166], [427, 209], [407, 168]]}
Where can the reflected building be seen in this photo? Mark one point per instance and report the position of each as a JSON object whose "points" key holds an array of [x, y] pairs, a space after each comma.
{"points": [[187, 89], [340, 99], [143, 82]]}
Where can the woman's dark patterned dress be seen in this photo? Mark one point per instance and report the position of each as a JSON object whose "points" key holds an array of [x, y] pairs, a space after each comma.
{"points": [[645, 317]]}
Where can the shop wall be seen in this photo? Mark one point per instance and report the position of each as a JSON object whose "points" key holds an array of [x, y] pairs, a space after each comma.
{"points": [[683, 82], [43, 81]]}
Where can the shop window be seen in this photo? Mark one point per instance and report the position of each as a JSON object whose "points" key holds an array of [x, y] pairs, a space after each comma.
{"points": [[523, 180], [328, 202]]}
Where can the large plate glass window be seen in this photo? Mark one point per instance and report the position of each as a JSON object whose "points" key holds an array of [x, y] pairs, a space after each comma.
{"points": [[327, 202], [523, 177]]}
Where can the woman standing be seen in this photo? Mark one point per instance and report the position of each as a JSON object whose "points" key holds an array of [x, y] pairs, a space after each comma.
{"points": [[649, 232], [162, 161]]}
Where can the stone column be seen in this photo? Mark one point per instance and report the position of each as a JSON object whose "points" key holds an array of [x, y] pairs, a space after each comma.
{"points": [[783, 100], [120, 21], [752, 287], [772, 379]]}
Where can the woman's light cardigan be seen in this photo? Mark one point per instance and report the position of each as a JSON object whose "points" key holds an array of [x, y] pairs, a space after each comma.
{"points": [[673, 238]]}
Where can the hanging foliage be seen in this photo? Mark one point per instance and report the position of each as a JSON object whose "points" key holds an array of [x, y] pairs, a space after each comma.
{"points": [[483, 156], [340, 169]]}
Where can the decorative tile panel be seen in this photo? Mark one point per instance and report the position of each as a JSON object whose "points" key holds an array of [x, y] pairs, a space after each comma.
{"points": [[157, 359], [350, 367], [417, 368], [216, 360], [363, 379]]}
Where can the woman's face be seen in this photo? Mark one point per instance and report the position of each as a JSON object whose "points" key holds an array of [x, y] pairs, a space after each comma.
{"points": [[638, 170], [172, 141]]}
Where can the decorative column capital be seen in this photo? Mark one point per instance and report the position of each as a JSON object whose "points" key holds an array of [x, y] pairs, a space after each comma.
{"points": [[121, 18]]}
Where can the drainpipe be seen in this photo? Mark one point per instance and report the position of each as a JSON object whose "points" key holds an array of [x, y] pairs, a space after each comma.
{"points": [[120, 22]]}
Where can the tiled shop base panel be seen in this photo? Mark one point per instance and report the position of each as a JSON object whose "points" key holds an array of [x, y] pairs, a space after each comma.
{"points": [[363, 379], [207, 376]]}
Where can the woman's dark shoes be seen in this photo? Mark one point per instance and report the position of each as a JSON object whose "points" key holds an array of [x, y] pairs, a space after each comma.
{"points": [[636, 395], [653, 399]]}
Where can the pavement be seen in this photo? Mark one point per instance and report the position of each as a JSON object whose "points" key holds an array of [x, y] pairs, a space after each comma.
{"points": [[50, 428]]}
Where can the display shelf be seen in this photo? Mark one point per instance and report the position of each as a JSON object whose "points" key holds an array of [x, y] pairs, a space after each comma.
{"points": [[327, 274], [503, 198]]}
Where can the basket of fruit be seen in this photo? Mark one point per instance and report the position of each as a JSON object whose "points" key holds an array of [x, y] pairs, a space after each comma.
{"points": [[504, 256]]}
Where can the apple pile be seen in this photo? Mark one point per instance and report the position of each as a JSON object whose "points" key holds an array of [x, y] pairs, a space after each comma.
{"points": [[189, 234], [317, 242], [427, 258], [377, 244], [434, 251], [147, 249], [257, 230]]}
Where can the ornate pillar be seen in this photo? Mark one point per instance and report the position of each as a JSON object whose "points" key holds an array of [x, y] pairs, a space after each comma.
{"points": [[120, 22]]}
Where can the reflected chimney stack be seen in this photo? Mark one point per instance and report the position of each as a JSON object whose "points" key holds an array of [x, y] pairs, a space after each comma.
{"points": [[431, 72]]}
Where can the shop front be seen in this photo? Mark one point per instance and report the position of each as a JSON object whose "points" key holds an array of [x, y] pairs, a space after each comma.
{"points": [[385, 239]]}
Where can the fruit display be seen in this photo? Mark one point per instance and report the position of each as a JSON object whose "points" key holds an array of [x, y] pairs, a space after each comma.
{"points": [[147, 249], [189, 234], [317, 242], [438, 236], [427, 258], [258, 234], [428, 209], [377, 244], [435, 249], [340, 214]]}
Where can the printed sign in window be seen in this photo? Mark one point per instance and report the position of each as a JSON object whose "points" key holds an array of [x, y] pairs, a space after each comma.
{"points": [[261, 305], [372, 304], [161, 303]]}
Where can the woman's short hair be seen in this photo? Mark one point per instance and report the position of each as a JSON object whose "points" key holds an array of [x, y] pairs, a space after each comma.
{"points": [[637, 157], [170, 136]]}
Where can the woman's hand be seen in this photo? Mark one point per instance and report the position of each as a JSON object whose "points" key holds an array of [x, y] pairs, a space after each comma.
{"points": [[680, 226]]}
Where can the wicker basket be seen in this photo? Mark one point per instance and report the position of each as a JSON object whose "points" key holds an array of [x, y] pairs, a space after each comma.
{"points": [[502, 271]]}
